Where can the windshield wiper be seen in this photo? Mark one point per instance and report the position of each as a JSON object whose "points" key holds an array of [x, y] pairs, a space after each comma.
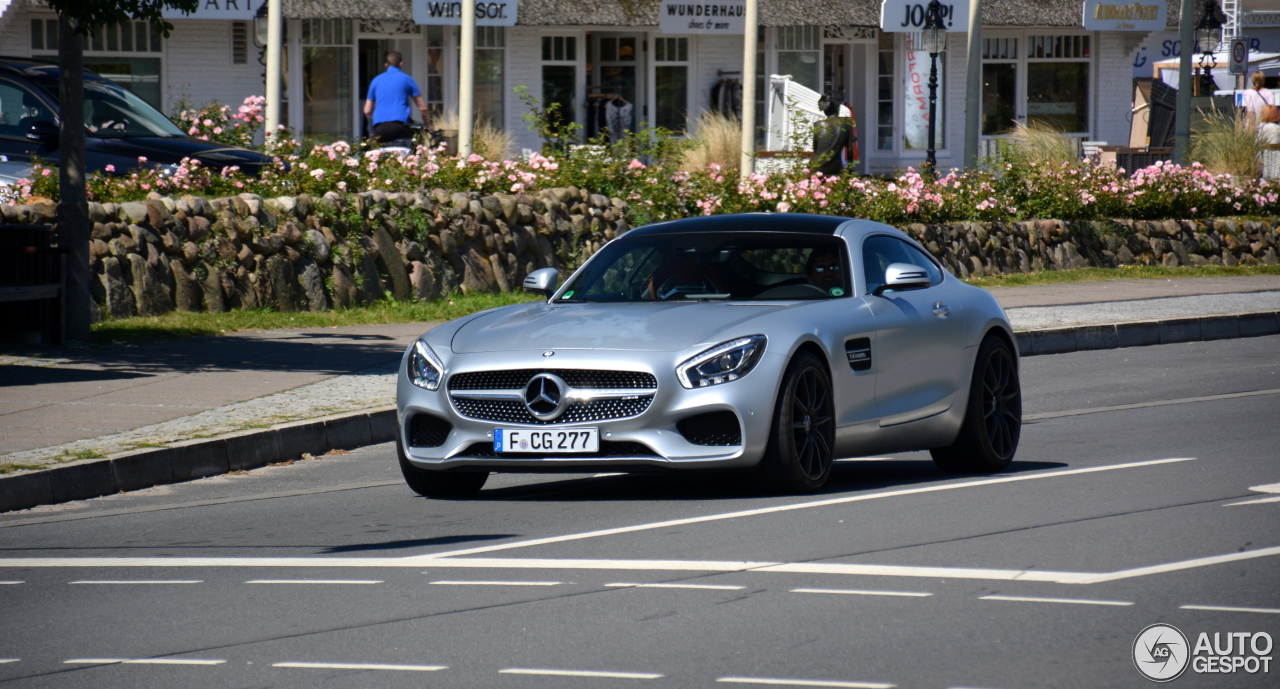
{"points": [[707, 297]]}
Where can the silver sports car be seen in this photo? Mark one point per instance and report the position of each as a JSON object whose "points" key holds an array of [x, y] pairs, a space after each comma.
{"points": [[770, 342]]}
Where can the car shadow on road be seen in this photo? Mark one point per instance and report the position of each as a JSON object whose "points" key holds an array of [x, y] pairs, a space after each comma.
{"points": [[416, 543], [849, 477]]}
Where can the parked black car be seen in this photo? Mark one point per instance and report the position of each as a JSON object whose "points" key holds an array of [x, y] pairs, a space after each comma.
{"points": [[119, 126]]}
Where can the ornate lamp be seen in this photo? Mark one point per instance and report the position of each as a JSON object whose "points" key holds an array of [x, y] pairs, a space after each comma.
{"points": [[933, 38]]}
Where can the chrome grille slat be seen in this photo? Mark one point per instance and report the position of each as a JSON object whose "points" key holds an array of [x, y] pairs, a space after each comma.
{"points": [[592, 395], [505, 411], [517, 379]]}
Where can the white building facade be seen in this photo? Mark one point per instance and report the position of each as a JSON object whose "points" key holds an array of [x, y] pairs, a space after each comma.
{"points": [[1039, 64]]}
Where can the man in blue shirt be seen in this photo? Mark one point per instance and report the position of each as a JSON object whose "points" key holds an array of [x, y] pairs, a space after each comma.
{"points": [[387, 105]]}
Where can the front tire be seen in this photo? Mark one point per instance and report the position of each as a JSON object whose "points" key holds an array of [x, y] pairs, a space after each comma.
{"points": [[993, 421], [802, 440], [440, 484]]}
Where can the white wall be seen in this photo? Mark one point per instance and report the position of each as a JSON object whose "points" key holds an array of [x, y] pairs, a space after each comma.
{"points": [[197, 64], [524, 68], [1114, 89]]}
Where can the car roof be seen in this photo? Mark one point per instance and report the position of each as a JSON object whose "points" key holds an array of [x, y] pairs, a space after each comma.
{"points": [[34, 65], [747, 222]]}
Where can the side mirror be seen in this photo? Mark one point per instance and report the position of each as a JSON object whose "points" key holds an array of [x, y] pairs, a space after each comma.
{"points": [[903, 276], [543, 280], [44, 132]]}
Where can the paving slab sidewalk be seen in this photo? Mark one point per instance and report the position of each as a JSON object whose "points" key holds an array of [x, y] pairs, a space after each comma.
{"points": [[82, 422]]}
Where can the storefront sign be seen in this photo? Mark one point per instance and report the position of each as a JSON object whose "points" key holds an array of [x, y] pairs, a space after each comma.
{"points": [[915, 99], [908, 15], [445, 13], [705, 18], [1110, 15], [230, 10]]}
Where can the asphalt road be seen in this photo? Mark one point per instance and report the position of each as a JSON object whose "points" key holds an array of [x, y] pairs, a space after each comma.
{"points": [[1130, 504]]}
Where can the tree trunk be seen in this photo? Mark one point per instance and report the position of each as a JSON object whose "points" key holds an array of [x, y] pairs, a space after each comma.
{"points": [[73, 205]]}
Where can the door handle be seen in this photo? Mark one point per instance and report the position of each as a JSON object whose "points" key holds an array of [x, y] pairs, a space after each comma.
{"points": [[941, 310]]}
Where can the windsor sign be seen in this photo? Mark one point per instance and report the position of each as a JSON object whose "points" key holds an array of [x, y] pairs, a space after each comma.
{"points": [[1104, 15], [446, 13]]}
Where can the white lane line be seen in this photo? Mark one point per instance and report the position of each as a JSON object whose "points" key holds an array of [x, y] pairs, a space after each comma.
{"points": [[931, 572], [11, 583], [606, 475], [9, 660], [806, 682], [446, 582], [709, 587], [1185, 564], [314, 581], [141, 661], [860, 592], [362, 666], [798, 506], [1078, 601], [1228, 608], [114, 582], [1268, 488], [580, 673]]}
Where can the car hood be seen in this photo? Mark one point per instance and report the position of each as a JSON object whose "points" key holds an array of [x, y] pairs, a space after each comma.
{"points": [[642, 327], [171, 150]]}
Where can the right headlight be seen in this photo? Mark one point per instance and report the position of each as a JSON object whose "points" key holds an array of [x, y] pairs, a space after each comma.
{"points": [[425, 368], [725, 362]]}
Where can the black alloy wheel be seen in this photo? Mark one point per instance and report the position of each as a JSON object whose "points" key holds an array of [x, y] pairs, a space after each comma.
{"points": [[992, 426], [802, 444]]}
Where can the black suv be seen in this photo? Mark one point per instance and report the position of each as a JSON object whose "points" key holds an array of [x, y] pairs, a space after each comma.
{"points": [[119, 126]]}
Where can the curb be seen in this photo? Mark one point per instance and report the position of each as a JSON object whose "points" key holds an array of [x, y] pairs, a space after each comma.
{"points": [[195, 459], [1143, 333], [251, 449]]}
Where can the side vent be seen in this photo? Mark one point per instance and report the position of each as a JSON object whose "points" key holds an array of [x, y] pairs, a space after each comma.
{"points": [[712, 428], [858, 350], [426, 430]]}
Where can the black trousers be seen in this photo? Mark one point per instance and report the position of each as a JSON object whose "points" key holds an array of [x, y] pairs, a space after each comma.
{"points": [[391, 131]]}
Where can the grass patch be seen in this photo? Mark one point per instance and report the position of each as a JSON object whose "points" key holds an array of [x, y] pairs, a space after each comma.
{"points": [[14, 467], [180, 324], [1052, 277]]}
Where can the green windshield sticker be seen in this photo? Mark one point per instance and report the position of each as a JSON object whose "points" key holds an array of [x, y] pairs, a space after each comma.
{"points": [[837, 292], [568, 295]]}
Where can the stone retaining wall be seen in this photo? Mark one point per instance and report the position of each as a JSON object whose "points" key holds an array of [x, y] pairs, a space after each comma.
{"points": [[303, 253]]}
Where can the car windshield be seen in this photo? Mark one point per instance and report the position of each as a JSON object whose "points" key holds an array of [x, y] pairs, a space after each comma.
{"points": [[113, 112], [713, 266]]}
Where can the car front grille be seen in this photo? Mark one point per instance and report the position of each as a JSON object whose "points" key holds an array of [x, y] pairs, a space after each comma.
{"points": [[608, 449], [514, 411], [579, 378]]}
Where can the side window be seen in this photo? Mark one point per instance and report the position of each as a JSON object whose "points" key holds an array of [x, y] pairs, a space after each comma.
{"points": [[19, 109], [921, 259]]}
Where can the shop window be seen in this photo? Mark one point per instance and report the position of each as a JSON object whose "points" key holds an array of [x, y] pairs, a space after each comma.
{"points": [[327, 96], [1058, 82], [126, 53], [799, 54], [560, 78], [491, 49], [884, 93], [671, 83], [433, 88], [999, 85]]}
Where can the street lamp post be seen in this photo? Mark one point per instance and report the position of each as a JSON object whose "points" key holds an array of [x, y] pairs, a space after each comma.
{"points": [[933, 38], [1208, 37]]}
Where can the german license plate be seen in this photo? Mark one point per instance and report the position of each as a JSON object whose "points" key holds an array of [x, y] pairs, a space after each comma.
{"points": [[531, 440]]}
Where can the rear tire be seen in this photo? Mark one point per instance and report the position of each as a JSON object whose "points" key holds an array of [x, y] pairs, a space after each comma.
{"points": [[802, 439], [993, 420], [440, 484]]}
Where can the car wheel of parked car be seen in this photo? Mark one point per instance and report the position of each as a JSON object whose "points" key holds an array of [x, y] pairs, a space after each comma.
{"points": [[440, 484], [802, 439], [993, 421]]}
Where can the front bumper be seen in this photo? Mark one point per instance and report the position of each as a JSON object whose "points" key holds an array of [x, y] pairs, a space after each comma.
{"points": [[650, 440]]}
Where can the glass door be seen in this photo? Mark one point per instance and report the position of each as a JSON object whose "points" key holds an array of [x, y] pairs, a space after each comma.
{"points": [[618, 72], [1002, 100]]}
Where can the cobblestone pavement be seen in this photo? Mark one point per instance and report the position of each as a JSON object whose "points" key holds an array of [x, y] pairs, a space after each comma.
{"points": [[1041, 317]]}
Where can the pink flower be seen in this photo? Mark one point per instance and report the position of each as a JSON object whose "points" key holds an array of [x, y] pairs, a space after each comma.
{"points": [[783, 207], [110, 168], [46, 172]]}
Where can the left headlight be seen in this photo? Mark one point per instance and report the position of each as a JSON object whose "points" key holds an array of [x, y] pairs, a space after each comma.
{"points": [[725, 362], [425, 368]]}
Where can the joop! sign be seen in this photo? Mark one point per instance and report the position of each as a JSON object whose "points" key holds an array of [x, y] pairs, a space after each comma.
{"points": [[908, 15], [1113, 15]]}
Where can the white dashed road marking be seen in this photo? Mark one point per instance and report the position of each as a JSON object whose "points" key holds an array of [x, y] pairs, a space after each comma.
{"points": [[141, 661], [138, 581], [859, 592], [496, 583], [710, 587], [362, 666], [9, 660], [1268, 488], [580, 673], [10, 583], [1077, 601], [806, 682], [314, 581], [1228, 608]]}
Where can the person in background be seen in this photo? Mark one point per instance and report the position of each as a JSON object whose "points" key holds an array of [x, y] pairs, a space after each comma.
{"points": [[1270, 127], [387, 105], [831, 138], [1258, 97]]}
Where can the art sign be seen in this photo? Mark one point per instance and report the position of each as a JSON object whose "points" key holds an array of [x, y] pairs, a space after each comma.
{"points": [[727, 17], [446, 13], [230, 10], [1109, 15]]}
